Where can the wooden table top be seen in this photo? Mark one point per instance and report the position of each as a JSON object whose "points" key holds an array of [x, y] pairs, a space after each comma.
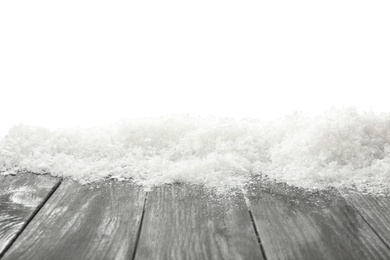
{"points": [[44, 217]]}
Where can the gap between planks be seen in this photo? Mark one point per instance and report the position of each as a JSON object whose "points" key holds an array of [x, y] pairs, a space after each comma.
{"points": [[299, 224], [373, 229], [256, 232], [140, 226], [97, 221], [190, 222], [375, 216], [35, 212], [31, 217]]}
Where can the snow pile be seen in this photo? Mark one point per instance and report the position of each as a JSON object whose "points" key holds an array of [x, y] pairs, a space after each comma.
{"points": [[338, 149], [341, 148]]}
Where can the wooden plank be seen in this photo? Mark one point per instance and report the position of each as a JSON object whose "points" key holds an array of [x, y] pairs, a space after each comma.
{"points": [[188, 222], [375, 210], [96, 221], [20, 197], [296, 224]]}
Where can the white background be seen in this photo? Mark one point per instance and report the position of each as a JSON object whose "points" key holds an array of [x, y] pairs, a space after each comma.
{"points": [[66, 63]]}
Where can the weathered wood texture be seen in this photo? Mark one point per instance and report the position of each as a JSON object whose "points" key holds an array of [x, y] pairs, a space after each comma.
{"points": [[188, 222], [20, 197], [375, 210], [97, 221], [296, 224]]}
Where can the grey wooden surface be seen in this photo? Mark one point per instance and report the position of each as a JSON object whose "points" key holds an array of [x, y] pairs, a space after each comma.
{"points": [[20, 197], [97, 221], [115, 220], [375, 211], [187, 222], [296, 224]]}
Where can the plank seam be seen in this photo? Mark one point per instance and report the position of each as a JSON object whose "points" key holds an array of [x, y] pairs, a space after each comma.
{"points": [[372, 228], [345, 196], [35, 212], [257, 234], [140, 227]]}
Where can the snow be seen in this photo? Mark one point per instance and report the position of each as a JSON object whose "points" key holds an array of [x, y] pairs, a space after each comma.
{"points": [[342, 148]]}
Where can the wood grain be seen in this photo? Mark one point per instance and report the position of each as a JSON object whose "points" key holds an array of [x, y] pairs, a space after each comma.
{"points": [[375, 210], [188, 222], [20, 197], [296, 224], [96, 221]]}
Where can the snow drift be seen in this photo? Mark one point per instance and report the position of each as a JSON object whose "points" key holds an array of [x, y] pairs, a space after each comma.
{"points": [[341, 148]]}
